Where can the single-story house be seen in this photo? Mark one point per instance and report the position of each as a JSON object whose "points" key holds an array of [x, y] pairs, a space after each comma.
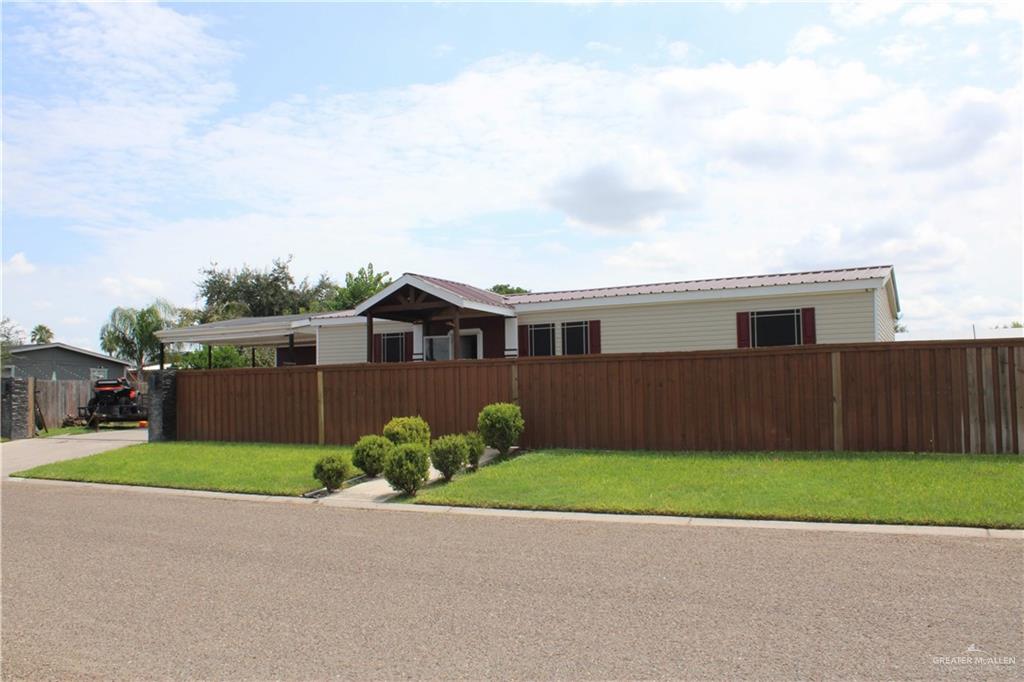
{"points": [[61, 361], [418, 318]]}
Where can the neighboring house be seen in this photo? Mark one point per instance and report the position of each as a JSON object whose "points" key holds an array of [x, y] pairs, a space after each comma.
{"points": [[417, 317], [61, 361]]}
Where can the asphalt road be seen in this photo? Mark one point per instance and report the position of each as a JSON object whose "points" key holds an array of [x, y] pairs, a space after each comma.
{"points": [[130, 585]]}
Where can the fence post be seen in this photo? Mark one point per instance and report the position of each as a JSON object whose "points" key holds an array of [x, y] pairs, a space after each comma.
{"points": [[321, 434], [515, 382], [31, 426], [837, 401]]}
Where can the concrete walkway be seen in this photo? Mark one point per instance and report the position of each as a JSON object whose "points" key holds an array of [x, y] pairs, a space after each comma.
{"points": [[24, 454], [378, 489]]}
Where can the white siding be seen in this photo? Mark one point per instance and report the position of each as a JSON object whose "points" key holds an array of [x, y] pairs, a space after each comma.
{"points": [[840, 317], [885, 321], [346, 343]]}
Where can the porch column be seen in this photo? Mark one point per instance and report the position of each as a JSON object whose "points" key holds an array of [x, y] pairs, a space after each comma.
{"points": [[511, 337], [369, 338], [417, 340], [456, 345]]}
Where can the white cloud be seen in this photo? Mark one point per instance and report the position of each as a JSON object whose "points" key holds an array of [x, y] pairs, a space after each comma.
{"points": [[901, 49], [443, 49], [18, 264], [678, 50], [926, 13], [74, 320], [971, 16], [598, 46], [971, 50], [863, 13], [812, 38], [131, 287]]}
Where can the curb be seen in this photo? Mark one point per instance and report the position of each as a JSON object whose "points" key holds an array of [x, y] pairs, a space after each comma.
{"points": [[641, 519]]}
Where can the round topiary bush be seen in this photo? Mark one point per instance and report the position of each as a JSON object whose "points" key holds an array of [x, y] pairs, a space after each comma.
{"points": [[402, 430], [449, 454], [501, 424], [408, 467], [332, 471], [370, 453], [475, 443]]}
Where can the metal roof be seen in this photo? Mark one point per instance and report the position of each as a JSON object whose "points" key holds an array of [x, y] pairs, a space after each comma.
{"points": [[717, 284], [28, 348], [466, 291]]}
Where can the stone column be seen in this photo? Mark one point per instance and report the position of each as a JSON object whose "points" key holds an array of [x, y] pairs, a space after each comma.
{"points": [[162, 399]]}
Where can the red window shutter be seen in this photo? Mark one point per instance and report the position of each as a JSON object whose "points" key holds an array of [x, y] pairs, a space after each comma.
{"points": [[378, 347], [807, 323], [408, 346], [524, 340], [743, 330], [595, 336]]}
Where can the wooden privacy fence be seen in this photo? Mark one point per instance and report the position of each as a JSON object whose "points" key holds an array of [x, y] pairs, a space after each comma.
{"points": [[943, 396], [61, 398]]}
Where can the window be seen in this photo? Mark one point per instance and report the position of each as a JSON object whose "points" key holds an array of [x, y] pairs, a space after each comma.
{"points": [[575, 338], [393, 347], [542, 339], [776, 328], [440, 347], [97, 373]]}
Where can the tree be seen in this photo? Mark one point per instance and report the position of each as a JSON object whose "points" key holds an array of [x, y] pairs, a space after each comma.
{"points": [[1016, 324], [130, 333], [508, 289], [41, 334], [223, 357], [360, 286], [249, 292], [899, 328], [10, 336]]}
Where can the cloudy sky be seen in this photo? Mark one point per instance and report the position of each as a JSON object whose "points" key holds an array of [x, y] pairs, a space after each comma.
{"points": [[552, 146]]}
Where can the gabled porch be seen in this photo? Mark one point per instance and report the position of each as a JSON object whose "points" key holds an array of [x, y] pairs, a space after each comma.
{"points": [[452, 321]]}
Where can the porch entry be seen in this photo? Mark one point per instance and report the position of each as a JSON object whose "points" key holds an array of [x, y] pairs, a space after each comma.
{"points": [[455, 321]]}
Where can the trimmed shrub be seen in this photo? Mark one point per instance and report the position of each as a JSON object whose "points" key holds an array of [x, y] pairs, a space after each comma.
{"points": [[408, 467], [402, 430], [370, 453], [501, 424], [475, 442], [448, 454], [332, 471]]}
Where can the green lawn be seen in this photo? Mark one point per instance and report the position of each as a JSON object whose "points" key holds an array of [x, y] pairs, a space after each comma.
{"points": [[230, 467], [971, 490]]}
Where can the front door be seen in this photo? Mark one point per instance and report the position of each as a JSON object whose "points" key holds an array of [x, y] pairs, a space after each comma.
{"points": [[468, 347]]}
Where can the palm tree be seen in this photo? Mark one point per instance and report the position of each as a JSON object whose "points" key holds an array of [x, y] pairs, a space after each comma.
{"points": [[41, 334], [130, 333]]}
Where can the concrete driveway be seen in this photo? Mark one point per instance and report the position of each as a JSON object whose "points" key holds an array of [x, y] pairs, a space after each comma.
{"points": [[30, 452], [124, 584]]}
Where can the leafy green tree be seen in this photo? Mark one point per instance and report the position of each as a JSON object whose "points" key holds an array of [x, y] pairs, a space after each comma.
{"points": [[130, 333], [508, 289], [10, 336], [224, 357], [1016, 324], [249, 292], [41, 334], [359, 286]]}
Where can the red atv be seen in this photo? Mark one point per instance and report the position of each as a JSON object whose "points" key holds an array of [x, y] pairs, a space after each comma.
{"points": [[113, 400]]}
